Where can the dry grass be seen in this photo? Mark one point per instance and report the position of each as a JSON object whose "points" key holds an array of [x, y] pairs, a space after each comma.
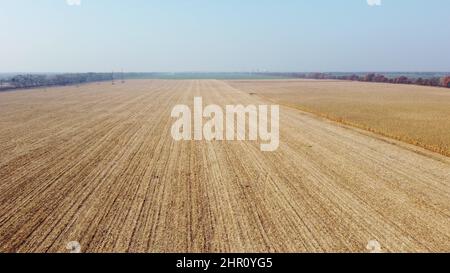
{"points": [[414, 114], [97, 165]]}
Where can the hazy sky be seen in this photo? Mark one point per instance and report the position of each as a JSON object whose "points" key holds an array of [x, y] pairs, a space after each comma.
{"points": [[224, 35]]}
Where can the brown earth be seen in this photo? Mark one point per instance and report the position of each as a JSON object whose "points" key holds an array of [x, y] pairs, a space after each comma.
{"points": [[97, 165]]}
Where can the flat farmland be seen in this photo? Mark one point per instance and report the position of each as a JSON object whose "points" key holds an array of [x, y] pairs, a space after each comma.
{"points": [[414, 114], [97, 164]]}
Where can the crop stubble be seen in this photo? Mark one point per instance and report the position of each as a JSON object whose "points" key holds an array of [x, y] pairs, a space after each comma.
{"points": [[96, 164]]}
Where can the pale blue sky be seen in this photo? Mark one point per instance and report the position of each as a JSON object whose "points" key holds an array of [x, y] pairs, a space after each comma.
{"points": [[224, 35]]}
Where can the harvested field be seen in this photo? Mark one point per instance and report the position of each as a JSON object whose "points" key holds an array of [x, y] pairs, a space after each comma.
{"points": [[96, 164], [414, 114]]}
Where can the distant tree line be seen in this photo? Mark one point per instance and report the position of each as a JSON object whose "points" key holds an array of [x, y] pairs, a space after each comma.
{"points": [[37, 80], [371, 77], [41, 80]]}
